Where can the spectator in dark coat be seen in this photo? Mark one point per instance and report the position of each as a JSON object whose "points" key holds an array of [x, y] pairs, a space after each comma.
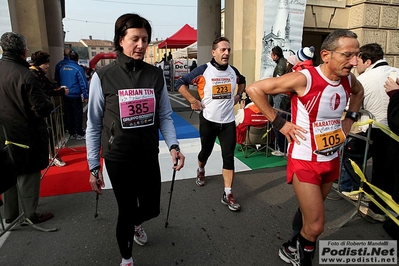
{"points": [[40, 66], [392, 88], [23, 107], [193, 65]]}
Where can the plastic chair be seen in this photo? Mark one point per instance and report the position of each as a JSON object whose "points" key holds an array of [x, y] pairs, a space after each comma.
{"points": [[254, 140]]}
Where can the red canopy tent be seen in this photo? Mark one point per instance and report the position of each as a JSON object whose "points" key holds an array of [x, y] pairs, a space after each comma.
{"points": [[182, 38]]}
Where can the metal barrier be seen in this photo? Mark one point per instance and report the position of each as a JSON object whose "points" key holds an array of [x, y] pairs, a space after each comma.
{"points": [[368, 141], [57, 138], [269, 126]]}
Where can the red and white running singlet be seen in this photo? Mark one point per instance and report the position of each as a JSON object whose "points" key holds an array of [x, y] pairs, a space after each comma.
{"points": [[319, 112]]}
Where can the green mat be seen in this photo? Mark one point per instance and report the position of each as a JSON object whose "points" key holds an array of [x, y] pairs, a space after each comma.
{"points": [[259, 159]]}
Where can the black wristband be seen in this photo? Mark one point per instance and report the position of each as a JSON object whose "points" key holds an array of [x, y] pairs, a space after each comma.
{"points": [[352, 115], [278, 122], [174, 147], [95, 172]]}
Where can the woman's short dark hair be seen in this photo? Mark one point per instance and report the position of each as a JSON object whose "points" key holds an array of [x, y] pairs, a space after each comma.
{"points": [[128, 21]]}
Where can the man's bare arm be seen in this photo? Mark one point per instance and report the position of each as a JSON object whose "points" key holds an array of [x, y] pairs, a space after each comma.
{"points": [[258, 92]]}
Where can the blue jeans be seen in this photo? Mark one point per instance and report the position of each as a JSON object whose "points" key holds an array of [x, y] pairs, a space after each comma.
{"points": [[345, 181]]}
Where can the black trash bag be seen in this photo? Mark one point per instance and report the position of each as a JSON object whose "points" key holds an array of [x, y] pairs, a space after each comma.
{"points": [[8, 170]]}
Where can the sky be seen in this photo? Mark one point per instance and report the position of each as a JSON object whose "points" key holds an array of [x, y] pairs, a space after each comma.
{"points": [[97, 17]]}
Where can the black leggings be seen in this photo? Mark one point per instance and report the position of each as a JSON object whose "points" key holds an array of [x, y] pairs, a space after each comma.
{"points": [[227, 137], [138, 196]]}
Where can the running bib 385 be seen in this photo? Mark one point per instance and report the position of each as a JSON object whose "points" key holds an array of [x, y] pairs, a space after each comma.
{"points": [[137, 107]]}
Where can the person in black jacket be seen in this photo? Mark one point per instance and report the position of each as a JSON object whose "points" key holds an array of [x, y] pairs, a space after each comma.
{"points": [[40, 66], [128, 105], [392, 89], [23, 108]]}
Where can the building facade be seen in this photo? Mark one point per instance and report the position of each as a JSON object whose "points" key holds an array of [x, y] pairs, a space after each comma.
{"points": [[373, 20]]}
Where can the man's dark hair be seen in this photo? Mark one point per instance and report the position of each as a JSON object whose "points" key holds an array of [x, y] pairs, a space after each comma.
{"points": [[330, 43], [278, 51], [218, 40], [74, 56], [372, 51], [13, 42], [128, 21]]}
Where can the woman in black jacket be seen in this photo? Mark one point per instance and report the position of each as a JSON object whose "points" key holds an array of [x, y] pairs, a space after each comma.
{"points": [[40, 66]]}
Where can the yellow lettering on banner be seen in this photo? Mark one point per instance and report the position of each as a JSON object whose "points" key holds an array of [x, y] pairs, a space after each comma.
{"points": [[329, 139]]}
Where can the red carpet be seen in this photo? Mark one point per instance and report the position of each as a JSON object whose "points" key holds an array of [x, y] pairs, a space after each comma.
{"points": [[71, 178]]}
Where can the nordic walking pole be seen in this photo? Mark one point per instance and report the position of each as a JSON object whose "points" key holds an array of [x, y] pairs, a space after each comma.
{"points": [[96, 213], [97, 196], [170, 197]]}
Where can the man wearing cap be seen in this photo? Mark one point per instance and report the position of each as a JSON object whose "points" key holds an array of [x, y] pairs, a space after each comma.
{"points": [[305, 58], [23, 107]]}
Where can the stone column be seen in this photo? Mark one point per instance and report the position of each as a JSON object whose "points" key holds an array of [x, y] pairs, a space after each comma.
{"points": [[28, 18], [241, 27], [55, 34], [209, 21]]}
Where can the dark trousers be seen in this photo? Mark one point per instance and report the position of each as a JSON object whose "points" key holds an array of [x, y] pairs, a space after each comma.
{"points": [[227, 137], [281, 140], [73, 115], [138, 196], [29, 187], [382, 172]]}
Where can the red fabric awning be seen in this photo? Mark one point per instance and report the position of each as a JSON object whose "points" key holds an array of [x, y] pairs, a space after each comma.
{"points": [[182, 38]]}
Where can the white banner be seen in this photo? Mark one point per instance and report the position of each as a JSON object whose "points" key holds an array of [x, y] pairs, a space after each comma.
{"points": [[181, 67], [283, 26]]}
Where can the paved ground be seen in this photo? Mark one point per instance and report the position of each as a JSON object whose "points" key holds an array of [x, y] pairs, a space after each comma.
{"points": [[201, 230]]}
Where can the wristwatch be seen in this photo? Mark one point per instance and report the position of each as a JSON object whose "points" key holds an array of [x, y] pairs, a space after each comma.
{"points": [[95, 171], [175, 147], [352, 115]]}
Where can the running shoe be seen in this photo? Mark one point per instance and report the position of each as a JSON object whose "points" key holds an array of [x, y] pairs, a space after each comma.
{"points": [[79, 137], [140, 237], [230, 202], [129, 263], [289, 254], [278, 153], [58, 162], [200, 180], [367, 211]]}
